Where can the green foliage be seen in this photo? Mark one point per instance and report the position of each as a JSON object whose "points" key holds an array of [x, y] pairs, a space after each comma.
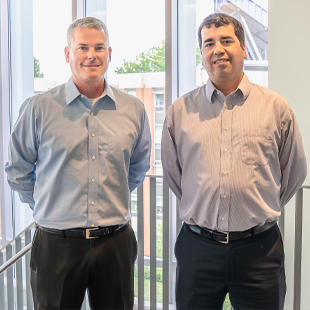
{"points": [[151, 61], [198, 55], [147, 274], [159, 240], [227, 305], [37, 73]]}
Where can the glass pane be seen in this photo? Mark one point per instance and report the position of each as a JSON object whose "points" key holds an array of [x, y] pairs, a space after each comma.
{"points": [[38, 38], [137, 34], [252, 14], [51, 20], [138, 62]]}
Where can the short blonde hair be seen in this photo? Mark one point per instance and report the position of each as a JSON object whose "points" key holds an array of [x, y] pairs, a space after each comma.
{"points": [[87, 22]]}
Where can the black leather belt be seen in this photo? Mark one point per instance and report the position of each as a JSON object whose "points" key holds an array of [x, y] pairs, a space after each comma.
{"points": [[226, 237], [87, 233]]}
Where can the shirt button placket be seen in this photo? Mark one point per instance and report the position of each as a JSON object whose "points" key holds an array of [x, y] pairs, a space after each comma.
{"points": [[93, 166], [225, 168]]}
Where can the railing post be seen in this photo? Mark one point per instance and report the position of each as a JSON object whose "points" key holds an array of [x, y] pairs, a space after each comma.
{"points": [[298, 246], [2, 298], [166, 247], [19, 275], [27, 264], [153, 216], [9, 275], [140, 229]]}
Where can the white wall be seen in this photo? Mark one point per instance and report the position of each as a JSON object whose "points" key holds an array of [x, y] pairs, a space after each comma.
{"points": [[289, 67]]}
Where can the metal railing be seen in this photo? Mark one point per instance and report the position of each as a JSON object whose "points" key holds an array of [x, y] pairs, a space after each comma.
{"points": [[15, 291], [250, 7], [297, 244], [15, 256]]}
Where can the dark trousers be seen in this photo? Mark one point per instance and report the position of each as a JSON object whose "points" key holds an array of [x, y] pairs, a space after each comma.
{"points": [[62, 269], [251, 270]]}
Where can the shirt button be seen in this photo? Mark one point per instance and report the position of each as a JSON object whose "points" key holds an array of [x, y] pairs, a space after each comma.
{"points": [[224, 196], [225, 150], [92, 114], [93, 135], [92, 225], [226, 128], [225, 172], [93, 180], [82, 96], [223, 218], [92, 203], [93, 158]]}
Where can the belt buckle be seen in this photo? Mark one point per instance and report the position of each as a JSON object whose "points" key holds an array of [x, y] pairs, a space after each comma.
{"points": [[88, 230], [227, 237]]}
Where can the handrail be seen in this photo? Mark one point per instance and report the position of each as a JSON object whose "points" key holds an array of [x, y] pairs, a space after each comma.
{"points": [[15, 258], [22, 233]]}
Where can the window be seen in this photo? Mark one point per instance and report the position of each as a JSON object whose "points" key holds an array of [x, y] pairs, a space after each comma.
{"points": [[159, 115], [253, 15], [37, 57], [132, 91]]}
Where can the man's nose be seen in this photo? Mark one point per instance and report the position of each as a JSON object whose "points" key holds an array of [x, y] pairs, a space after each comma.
{"points": [[218, 48], [92, 53]]}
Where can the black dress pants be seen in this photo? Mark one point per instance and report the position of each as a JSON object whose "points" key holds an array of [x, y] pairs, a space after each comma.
{"points": [[251, 270], [62, 269]]}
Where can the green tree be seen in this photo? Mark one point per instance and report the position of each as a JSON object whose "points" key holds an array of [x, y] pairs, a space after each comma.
{"points": [[37, 73], [151, 61], [198, 56]]}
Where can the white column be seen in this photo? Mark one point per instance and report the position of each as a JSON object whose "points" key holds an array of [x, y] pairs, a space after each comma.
{"points": [[289, 69]]}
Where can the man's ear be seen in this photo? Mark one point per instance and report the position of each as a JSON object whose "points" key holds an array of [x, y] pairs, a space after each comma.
{"points": [[67, 53], [110, 52], [244, 51]]}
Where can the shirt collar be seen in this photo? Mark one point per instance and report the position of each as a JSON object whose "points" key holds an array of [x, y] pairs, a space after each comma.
{"points": [[72, 91], [244, 86], [108, 91]]}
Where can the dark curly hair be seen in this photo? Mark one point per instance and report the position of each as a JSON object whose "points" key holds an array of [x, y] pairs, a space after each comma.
{"points": [[218, 20]]}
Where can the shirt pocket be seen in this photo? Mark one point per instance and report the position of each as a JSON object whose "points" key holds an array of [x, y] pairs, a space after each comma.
{"points": [[256, 147], [119, 150]]}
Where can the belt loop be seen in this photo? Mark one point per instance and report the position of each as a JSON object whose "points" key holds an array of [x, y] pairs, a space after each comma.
{"points": [[63, 235]]}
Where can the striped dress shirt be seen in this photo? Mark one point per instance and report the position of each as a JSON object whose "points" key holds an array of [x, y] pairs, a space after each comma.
{"points": [[233, 161]]}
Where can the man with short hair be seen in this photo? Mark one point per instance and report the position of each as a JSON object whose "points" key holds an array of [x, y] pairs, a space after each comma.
{"points": [[75, 154], [233, 154]]}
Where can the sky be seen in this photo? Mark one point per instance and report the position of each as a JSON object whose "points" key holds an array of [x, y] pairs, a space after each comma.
{"points": [[134, 27]]}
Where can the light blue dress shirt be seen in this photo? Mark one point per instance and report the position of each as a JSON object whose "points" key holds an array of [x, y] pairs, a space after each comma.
{"points": [[75, 164]]}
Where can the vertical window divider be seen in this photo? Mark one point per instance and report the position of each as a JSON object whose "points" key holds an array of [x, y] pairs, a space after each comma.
{"points": [[5, 192]]}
